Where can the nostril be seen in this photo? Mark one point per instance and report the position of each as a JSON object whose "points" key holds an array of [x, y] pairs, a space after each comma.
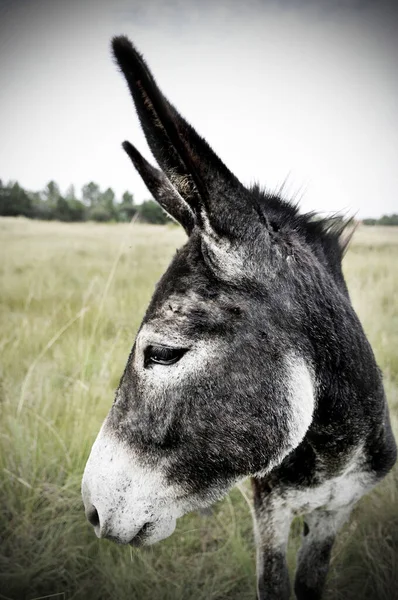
{"points": [[92, 516]]}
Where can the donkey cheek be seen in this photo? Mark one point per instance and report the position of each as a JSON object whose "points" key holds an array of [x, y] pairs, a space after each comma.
{"points": [[301, 399]]}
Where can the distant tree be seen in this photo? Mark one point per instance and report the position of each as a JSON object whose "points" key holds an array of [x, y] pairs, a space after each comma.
{"points": [[127, 198], [15, 201], [107, 201], [40, 208], [126, 209], [150, 212], [99, 213], [389, 220], [76, 209], [91, 194], [70, 193], [51, 194], [62, 210]]}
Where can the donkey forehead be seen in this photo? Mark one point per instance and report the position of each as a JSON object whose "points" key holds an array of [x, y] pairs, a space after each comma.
{"points": [[185, 303], [189, 314], [189, 291]]}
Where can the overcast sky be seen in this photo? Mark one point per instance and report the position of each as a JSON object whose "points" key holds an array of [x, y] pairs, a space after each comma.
{"points": [[304, 90]]}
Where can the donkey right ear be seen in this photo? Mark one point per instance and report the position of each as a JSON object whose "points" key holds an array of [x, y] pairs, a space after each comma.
{"points": [[162, 190]]}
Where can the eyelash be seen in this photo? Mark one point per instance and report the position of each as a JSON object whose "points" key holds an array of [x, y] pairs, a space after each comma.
{"points": [[162, 355]]}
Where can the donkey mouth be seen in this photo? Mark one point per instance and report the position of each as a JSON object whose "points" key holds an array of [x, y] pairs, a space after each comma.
{"points": [[143, 535], [138, 540]]}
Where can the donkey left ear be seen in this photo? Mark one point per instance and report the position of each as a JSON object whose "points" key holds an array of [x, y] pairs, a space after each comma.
{"points": [[162, 190], [214, 194]]}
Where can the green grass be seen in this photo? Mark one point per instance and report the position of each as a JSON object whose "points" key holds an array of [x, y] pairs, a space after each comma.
{"points": [[72, 297]]}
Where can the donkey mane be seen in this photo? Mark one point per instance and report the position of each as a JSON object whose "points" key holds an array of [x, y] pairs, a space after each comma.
{"points": [[328, 237]]}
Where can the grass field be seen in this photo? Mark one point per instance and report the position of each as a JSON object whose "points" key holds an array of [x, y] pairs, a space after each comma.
{"points": [[72, 297]]}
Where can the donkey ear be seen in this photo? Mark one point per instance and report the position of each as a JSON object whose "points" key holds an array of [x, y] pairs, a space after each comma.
{"points": [[162, 190], [214, 194]]}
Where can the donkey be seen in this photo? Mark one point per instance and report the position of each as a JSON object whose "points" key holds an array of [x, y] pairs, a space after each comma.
{"points": [[250, 362]]}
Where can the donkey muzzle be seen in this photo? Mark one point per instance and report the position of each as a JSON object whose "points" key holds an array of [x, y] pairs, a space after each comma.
{"points": [[126, 501]]}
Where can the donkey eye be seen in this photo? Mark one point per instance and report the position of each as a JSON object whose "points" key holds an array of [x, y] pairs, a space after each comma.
{"points": [[162, 355]]}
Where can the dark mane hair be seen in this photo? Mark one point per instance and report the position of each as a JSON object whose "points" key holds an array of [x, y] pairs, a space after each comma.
{"points": [[328, 237]]}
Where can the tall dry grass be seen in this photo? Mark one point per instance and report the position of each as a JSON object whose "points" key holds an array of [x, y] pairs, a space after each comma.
{"points": [[72, 297]]}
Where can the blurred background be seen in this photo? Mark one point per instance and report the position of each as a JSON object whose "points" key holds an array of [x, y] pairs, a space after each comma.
{"points": [[298, 95], [302, 93]]}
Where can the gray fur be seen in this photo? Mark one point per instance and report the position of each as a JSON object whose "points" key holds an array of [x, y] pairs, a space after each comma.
{"points": [[250, 361]]}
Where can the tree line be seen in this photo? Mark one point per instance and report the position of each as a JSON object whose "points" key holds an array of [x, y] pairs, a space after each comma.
{"points": [[384, 220], [93, 204]]}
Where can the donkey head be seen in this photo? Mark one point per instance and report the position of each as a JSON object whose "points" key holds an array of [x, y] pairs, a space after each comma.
{"points": [[219, 383]]}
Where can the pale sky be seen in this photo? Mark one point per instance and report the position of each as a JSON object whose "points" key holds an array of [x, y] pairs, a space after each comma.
{"points": [[304, 90]]}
